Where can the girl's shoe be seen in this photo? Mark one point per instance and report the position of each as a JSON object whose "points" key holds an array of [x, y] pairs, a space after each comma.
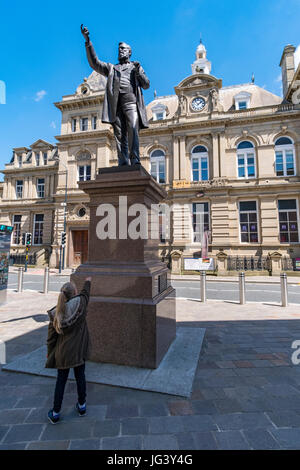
{"points": [[81, 409], [53, 419]]}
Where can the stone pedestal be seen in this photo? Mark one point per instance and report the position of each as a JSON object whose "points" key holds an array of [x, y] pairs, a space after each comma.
{"points": [[131, 315], [222, 263], [276, 267]]}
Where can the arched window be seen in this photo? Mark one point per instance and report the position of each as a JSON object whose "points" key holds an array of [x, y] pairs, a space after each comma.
{"points": [[246, 160], [199, 163], [158, 165], [284, 157]]}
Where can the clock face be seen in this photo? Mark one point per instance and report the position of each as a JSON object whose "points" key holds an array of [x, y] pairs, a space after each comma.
{"points": [[198, 103]]}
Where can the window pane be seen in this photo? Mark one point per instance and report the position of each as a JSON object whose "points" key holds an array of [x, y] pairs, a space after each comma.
{"points": [[244, 227], [253, 238], [283, 227], [251, 171], [157, 153], [294, 237], [283, 216], [245, 145], [243, 217], [248, 206], [195, 175], [244, 237], [199, 149], [204, 175], [287, 204], [293, 226], [292, 216], [253, 217], [195, 164], [241, 172], [283, 141]]}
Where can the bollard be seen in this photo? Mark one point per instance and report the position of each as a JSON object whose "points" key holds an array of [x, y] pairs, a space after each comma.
{"points": [[20, 279], [284, 290], [46, 281], [203, 286], [242, 288]]}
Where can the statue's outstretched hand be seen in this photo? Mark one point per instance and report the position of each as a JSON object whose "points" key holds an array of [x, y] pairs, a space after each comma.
{"points": [[85, 33]]}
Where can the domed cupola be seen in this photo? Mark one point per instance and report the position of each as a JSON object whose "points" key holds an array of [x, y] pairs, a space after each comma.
{"points": [[201, 64]]}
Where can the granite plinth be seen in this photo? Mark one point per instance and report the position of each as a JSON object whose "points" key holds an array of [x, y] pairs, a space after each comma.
{"points": [[131, 315]]}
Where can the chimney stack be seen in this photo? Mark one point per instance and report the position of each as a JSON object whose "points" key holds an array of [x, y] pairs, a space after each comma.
{"points": [[287, 65]]}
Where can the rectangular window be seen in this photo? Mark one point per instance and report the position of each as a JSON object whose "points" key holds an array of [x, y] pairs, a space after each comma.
{"points": [[45, 156], [19, 189], [40, 187], [284, 164], [37, 159], [200, 169], [94, 122], [158, 170], [84, 124], [159, 116], [38, 229], [84, 172], [248, 222], [74, 124], [288, 221], [246, 165], [242, 104], [17, 229], [200, 220], [20, 160]]}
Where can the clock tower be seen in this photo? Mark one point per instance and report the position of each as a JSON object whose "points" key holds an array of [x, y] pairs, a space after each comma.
{"points": [[201, 64]]}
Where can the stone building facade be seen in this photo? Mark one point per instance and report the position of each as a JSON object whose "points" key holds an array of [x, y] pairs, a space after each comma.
{"points": [[231, 153]]}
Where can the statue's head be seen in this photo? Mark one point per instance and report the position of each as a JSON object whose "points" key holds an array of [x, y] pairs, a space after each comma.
{"points": [[124, 51]]}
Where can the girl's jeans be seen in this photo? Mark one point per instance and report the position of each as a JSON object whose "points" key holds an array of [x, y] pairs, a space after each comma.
{"points": [[62, 377]]}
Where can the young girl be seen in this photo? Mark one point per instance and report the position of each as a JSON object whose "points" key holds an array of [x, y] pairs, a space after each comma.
{"points": [[68, 344]]}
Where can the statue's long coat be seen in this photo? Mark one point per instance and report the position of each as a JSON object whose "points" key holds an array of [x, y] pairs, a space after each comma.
{"points": [[112, 72]]}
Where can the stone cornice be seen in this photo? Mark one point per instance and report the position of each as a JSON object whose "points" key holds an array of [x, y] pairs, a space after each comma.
{"points": [[108, 133], [231, 120], [78, 103], [37, 170]]}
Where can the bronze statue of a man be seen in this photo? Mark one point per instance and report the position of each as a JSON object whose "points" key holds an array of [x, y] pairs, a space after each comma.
{"points": [[123, 105]]}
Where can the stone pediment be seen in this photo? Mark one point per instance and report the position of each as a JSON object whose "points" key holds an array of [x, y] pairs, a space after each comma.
{"points": [[199, 81], [40, 143]]}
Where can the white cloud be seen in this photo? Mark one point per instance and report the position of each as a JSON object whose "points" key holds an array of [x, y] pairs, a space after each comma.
{"points": [[279, 78], [40, 95], [52, 124], [297, 56]]}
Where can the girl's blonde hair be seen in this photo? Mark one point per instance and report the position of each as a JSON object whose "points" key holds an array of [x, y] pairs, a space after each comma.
{"points": [[67, 291]]}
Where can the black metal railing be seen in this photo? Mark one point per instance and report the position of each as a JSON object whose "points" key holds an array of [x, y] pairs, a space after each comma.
{"points": [[20, 259], [248, 263]]}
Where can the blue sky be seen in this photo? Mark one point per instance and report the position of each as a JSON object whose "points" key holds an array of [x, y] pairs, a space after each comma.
{"points": [[43, 55]]}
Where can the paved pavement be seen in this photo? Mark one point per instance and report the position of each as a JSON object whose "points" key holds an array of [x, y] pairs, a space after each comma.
{"points": [[246, 392]]}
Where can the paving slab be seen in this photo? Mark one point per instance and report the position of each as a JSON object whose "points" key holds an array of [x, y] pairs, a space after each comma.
{"points": [[174, 376]]}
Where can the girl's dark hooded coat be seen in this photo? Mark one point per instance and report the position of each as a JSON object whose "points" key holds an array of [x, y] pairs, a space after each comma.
{"points": [[71, 347]]}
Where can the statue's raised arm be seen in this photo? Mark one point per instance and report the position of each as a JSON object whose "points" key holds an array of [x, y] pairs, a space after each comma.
{"points": [[95, 63]]}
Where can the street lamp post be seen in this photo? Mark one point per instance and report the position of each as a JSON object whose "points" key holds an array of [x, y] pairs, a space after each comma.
{"points": [[65, 217], [62, 248]]}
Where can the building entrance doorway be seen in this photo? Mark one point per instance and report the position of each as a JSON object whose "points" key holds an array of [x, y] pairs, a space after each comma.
{"points": [[80, 246]]}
